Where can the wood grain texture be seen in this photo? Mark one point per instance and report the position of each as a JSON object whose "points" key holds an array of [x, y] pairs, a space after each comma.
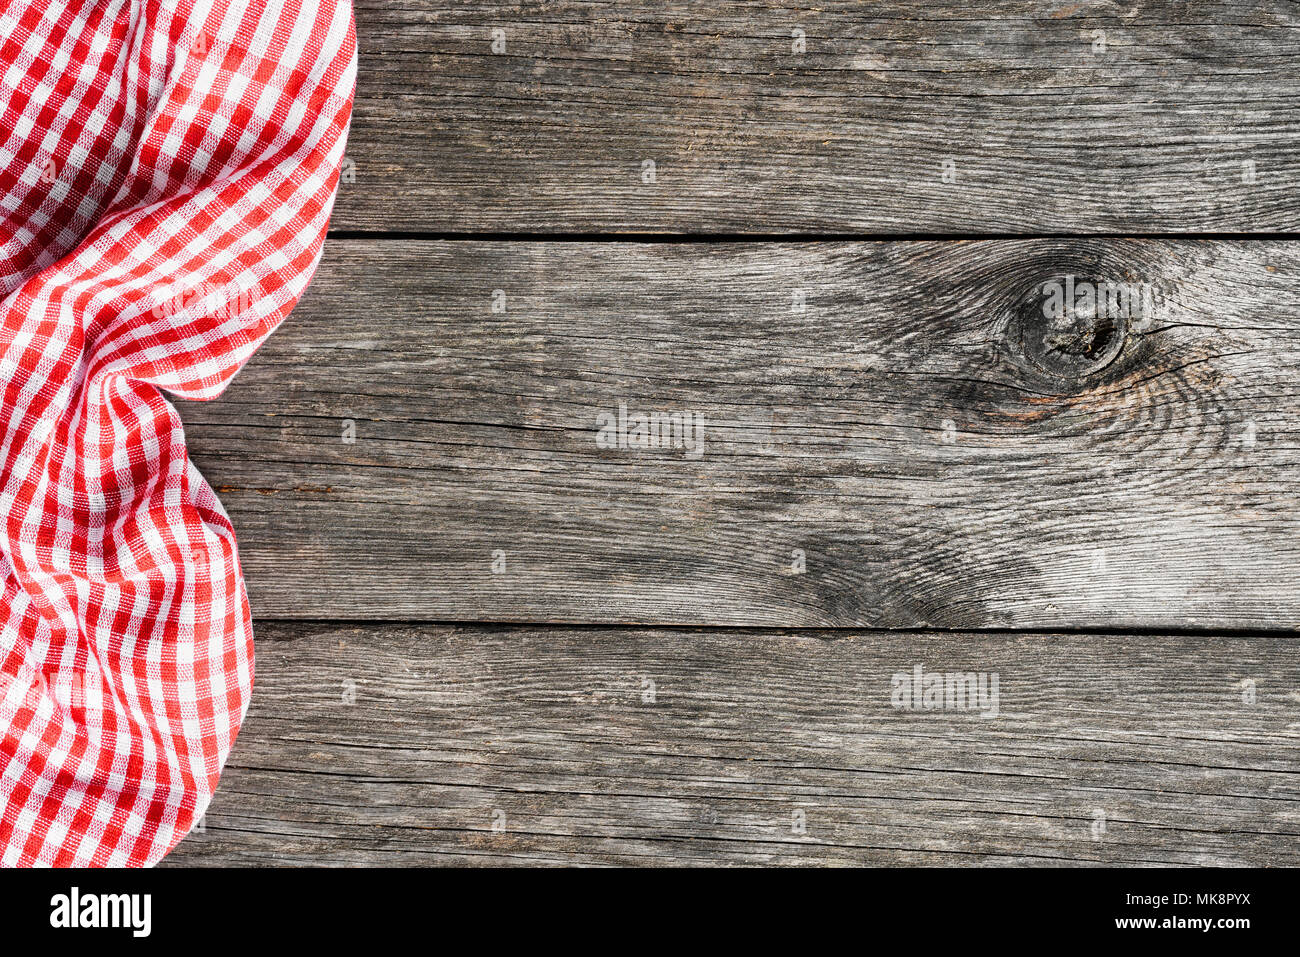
{"points": [[1183, 749], [895, 437], [900, 453], [1184, 119]]}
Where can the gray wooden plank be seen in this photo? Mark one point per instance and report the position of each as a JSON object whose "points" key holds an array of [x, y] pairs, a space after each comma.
{"points": [[1105, 749], [881, 446], [1058, 118]]}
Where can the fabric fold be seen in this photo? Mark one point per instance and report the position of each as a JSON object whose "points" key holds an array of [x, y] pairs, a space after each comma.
{"points": [[167, 171]]}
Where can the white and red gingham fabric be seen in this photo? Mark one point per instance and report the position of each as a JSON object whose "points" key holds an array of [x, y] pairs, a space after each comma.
{"points": [[167, 169]]}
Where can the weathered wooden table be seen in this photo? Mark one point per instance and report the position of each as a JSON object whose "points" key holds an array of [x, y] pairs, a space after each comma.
{"points": [[492, 629]]}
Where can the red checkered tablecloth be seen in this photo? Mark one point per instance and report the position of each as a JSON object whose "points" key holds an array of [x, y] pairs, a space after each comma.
{"points": [[167, 170]]}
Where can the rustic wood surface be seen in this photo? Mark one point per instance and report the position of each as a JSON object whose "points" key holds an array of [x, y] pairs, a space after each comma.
{"points": [[1107, 748], [486, 638], [889, 456], [1060, 117]]}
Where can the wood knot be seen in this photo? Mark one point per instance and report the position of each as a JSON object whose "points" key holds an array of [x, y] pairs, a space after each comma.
{"points": [[1071, 327]]}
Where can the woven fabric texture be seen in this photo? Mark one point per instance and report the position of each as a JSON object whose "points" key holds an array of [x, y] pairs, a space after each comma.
{"points": [[167, 171]]}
